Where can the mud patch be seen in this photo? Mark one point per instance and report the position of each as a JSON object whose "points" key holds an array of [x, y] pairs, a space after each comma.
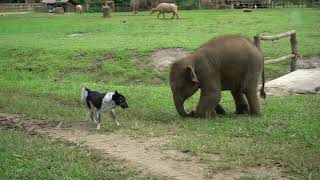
{"points": [[163, 58]]}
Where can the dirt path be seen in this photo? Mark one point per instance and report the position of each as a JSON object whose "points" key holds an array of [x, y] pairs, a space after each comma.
{"points": [[145, 156]]}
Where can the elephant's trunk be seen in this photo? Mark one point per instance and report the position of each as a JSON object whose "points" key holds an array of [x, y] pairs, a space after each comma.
{"points": [[178, 102]]}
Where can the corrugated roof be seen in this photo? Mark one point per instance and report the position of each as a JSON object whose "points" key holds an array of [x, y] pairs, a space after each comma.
{"points": [[54, 1]]}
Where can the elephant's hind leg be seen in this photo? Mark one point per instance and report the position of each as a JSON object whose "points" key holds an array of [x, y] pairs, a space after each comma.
{"points": [[240, 102], [253, 101], [219, 110]]}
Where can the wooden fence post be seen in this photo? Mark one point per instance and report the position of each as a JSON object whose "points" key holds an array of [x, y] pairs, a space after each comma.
{"points": [[257, 41], [106, 10], [294, 50]]}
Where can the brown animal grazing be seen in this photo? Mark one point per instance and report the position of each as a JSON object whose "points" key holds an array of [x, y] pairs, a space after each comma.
{"points": [[166, 8], [224, 63], [78, 8]]}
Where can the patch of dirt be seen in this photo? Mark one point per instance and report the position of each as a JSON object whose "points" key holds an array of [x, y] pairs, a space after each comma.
{"points": [[76, 34], [251, 173], [78, 56], [309, 62], [145, 156], [163, 58], [12, 13]]}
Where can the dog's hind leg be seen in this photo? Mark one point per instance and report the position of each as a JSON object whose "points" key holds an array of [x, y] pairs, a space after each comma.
{"points": [[114, 117], [98, 119], [91, 115]]}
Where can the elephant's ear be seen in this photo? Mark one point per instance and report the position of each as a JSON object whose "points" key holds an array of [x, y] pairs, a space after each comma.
{"points": [[191, 72]]}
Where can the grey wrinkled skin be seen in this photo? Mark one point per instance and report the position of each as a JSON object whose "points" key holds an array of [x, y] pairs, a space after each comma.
{"points": [[223, 63]]}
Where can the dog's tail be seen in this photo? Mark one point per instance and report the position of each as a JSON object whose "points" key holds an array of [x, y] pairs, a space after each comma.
{"points": [[84, 94]]}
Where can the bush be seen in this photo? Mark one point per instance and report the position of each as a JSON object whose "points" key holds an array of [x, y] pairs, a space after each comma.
{"points": [[95, 7], [77, 1]]}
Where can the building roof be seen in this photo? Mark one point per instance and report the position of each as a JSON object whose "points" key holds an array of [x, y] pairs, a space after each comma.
{"points": [[54, 1]]}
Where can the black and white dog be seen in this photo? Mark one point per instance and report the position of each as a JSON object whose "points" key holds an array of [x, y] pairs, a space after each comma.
{"points": [[102, 102]]}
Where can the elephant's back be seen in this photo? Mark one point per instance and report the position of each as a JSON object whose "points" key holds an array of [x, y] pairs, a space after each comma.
{"points": [[232, 50], [236, 59]]}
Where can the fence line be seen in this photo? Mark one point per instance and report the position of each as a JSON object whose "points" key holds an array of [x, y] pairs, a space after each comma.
{"points": [[294, 49], [7, 7]]}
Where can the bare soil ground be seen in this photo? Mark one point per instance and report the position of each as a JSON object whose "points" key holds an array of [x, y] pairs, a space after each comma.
{"points": [[309, 62], [163, 58], [76, 34], [9, 13], [146, 156]]}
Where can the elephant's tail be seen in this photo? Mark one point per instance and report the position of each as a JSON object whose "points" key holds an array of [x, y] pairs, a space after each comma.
{"points": [[262, 92]]}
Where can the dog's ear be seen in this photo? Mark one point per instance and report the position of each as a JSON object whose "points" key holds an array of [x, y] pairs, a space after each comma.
{"points": [[116, 92]]}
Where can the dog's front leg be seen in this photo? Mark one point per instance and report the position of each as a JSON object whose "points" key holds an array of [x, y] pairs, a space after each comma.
{"points": [[114, 117]]}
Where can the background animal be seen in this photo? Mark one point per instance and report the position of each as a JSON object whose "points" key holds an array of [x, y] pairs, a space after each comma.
{"points": [[78, 8], [102, 102], [134, 4], [224, 63], [166, 8]]}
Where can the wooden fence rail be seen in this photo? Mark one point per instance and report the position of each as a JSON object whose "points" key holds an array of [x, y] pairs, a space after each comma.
{"points": [[14, 7], [294, 49]]}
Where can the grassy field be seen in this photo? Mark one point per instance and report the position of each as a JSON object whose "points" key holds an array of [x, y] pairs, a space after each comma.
{"points": [[42, 71]]}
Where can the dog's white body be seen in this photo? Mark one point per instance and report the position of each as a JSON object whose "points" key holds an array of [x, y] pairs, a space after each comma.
{"points": [[107, 105]]}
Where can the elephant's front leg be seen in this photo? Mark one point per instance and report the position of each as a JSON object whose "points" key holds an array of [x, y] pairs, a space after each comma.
{"points": [[219, 110], [207, 104]]}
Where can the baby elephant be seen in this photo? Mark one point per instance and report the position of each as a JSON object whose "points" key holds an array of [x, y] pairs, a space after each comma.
{"points": [[224, 63], [166, 8]]}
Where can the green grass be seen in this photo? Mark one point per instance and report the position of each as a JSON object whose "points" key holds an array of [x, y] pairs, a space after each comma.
{"points": [[29, 157], [38, 43], [42, 71], [143, 32]]}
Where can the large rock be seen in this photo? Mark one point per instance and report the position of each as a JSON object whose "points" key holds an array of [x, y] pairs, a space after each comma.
{"points": [[302, 81]]}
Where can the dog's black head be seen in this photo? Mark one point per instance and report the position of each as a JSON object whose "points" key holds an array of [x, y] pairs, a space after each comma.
{"points": [[120, 100]]}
